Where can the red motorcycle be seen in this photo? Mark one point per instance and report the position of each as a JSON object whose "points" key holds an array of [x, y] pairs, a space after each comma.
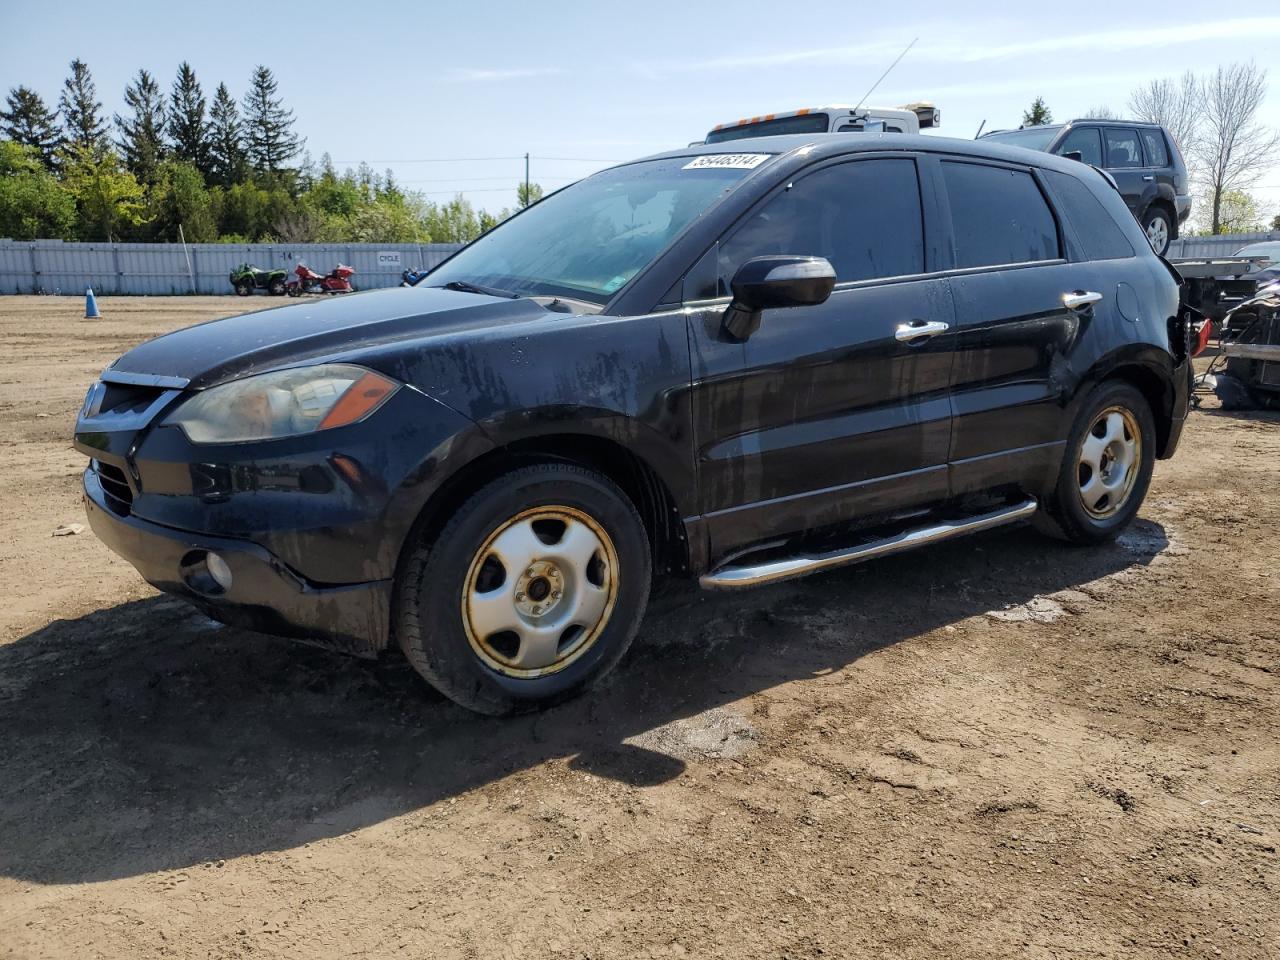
{"points": [[338, 280]]}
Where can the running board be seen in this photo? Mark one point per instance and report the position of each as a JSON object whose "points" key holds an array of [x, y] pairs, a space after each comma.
{"points": [[773, 571]]}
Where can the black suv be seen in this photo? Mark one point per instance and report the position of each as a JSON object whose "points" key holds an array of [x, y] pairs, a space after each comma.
{"points": [[1142, 158], [735, 367]]}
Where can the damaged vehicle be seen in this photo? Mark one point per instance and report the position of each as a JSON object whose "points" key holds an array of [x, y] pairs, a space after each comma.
{"points": [[733, 367]]}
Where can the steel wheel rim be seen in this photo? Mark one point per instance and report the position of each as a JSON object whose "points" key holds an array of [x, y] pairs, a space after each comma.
{"points": [[539, 591], [1158, 234], [1108, 462]]}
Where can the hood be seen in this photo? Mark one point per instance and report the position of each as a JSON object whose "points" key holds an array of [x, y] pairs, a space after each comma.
{"points": [[220, 350]]}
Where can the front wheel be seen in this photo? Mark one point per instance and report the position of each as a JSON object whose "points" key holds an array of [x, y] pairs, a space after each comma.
{"points": [[1158, 227], [531, 592], [243, 289], [1106, 469]]}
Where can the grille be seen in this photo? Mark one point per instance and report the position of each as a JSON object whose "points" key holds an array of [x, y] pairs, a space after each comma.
{"points": [[119, 495]]}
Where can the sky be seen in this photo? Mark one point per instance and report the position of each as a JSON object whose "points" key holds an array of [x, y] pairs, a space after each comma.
{"points": [[451, 96]]}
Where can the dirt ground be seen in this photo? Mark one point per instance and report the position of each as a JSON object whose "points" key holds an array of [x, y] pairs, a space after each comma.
{"points": [[998, 747]]}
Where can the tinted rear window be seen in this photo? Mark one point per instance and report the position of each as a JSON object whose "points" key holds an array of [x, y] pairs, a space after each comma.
{"points": [[1097, 233], [998, 216], [809, 123], [1153, 143], [1122, 148]]}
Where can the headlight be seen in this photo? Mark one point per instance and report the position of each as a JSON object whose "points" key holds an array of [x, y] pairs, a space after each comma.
{"points": [[283, 404]]}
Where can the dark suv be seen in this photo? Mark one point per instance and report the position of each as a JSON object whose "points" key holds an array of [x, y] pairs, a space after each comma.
{"points": [[735, 367], [1142, 158]]}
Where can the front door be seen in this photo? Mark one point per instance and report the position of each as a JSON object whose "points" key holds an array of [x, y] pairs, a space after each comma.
{"points": [[833, 412]]}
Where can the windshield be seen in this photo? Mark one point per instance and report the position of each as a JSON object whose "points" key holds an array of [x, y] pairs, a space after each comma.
{"points": [[1033, 138], [805, 123], [1271, 250], [590, 238]]}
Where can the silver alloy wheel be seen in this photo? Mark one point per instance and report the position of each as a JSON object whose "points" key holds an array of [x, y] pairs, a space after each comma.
{"points": [[1109, 462], [1158, 234], [540, 591]]}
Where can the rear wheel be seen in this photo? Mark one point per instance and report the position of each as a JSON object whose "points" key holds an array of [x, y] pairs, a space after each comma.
{"points": [[531, 592], [1158, 226], [277, 288], [1107, 467]]}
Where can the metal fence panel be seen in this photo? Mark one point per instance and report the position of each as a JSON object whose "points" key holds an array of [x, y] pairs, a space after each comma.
{"points": [[159, 269]]}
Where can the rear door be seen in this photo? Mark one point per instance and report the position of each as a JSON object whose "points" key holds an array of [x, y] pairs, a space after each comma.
{"points": [[1012, 327], [825, 413]]}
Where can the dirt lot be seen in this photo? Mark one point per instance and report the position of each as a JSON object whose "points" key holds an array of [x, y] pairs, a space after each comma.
{"points": [[999, 747]]}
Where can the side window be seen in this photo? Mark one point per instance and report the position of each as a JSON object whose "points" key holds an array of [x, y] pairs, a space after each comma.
{"points": [[998, 216], [1085, 140], [1098, 233], [864, 216], [1122, 148], [1157, 152]]}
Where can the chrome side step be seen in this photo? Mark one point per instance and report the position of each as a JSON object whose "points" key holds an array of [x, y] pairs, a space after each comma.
{"points": [[787, 568]]}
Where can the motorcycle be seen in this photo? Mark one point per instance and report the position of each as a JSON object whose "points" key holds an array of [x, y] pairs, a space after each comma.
{"points": [[337, 280], [410, 278]]}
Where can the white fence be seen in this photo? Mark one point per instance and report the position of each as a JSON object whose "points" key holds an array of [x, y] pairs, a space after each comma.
{"points": [[157, 269]]}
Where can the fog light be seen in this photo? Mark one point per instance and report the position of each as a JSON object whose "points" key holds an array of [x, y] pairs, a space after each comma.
{"points": [[219, 570]]}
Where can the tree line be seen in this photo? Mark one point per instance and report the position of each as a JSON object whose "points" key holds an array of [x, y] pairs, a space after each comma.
{"points": [[1214, 119], [180, 165]]}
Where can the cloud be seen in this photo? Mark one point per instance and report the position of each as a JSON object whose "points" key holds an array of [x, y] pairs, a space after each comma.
{"points": [[978, 48], [481, 75]]}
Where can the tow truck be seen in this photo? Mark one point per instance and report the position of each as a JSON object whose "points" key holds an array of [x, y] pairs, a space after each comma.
{"points": [[834, 118]]}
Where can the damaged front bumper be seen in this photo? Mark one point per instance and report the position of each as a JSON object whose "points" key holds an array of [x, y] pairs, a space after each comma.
{"points": [[245, 585]]}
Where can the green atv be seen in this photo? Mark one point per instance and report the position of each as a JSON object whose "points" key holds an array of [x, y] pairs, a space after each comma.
{"points": [[246, 279]]}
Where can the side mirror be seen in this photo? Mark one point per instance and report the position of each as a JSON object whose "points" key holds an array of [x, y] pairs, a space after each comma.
{"points": [[1075, 155], [764, 283]]}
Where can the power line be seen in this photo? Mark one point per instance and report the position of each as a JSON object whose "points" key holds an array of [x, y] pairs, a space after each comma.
{"points": [[432, 160]]}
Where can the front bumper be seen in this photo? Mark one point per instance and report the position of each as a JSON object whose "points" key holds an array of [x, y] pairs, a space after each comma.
{"points": [[265, 594]]}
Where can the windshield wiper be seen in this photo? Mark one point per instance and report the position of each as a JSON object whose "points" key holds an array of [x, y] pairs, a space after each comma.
{"points": [[466, 286]]}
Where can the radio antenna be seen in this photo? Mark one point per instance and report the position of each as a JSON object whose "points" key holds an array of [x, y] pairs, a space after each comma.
{"points": [[883, 75]]}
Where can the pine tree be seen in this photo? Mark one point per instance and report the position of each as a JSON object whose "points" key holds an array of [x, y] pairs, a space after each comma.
{"points": [[81, 110], [142, 141], [1038, 115], [269, 126], [29, 122], [226, 139], [188, 127]]}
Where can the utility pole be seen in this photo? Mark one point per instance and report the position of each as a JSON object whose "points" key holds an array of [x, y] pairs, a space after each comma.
{"points": [[526, 181]]}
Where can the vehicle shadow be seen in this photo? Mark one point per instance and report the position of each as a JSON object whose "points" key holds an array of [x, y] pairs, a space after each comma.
{"points": [[144, 737]]}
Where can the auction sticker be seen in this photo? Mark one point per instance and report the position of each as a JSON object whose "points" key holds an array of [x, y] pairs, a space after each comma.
{"points": [[728, 161]]}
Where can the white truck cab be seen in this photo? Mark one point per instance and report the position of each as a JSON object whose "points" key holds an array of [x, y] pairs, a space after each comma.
{"points": [[836, 118]]}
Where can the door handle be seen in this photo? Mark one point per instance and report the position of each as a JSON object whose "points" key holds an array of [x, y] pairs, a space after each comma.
{"points": [[1148, 178], [919, 330], [1080, 299]]}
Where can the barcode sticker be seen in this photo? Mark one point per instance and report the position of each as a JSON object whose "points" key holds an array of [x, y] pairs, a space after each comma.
{"points": [[730, 161]]}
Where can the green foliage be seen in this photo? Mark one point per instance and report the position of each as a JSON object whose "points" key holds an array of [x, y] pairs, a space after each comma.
{"points": [[142, 140], [82, 110], [1275, 222], [188, 127], [1238, 213], [227, 161], [32, 202], [26, 120], [1037, 115], [527, 195], [179, 197], [109, 200], [270, 140]]}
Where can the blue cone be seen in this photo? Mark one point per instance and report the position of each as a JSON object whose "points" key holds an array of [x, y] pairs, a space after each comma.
{"points": [[91, 305]]}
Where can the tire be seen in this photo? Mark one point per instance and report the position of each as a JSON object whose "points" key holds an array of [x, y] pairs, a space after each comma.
{"points": [[1158, 226], [1116, 423], [243, 289], [575, 552], [276, 289], [294, 291]]}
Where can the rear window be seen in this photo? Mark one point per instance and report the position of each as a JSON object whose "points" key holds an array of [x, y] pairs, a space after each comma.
{"points": [[1122, 148], [998, 216], [1157, 153], [809, 123], [1099, 235]]}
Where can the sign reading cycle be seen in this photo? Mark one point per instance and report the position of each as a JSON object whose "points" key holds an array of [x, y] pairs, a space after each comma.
{"points": [[731, 161], [389, 258]]}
